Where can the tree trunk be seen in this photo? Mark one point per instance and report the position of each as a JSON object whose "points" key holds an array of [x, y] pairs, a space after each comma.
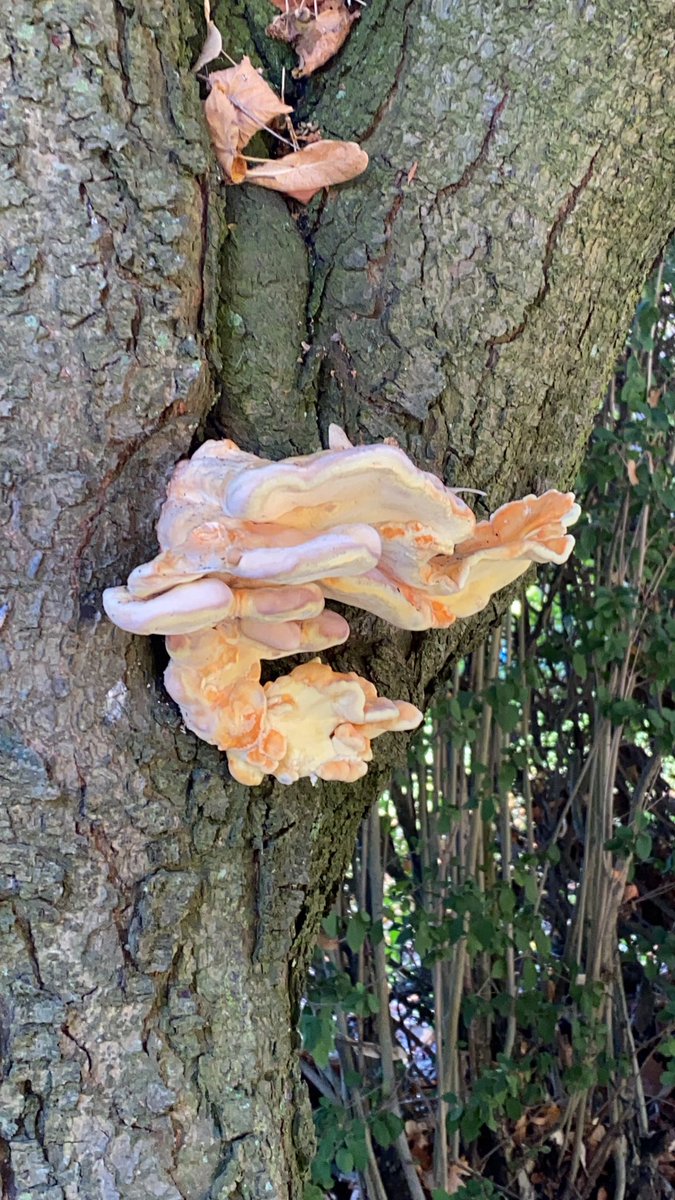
{"points": [[466, 296]]}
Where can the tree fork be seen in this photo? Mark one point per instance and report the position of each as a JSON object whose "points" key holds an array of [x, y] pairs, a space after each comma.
{"points": [[466, 297]]}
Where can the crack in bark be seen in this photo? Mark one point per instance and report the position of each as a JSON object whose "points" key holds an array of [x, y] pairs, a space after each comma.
{"points": [[24, 927], [470, 170], [376, 266], [451, 189], [586, 327], [224, 1174], [7, 1177], [5, 1034], [176, 408], [80, 1045], [204, 190], [564, 213], [120, 16], [389, 99]]}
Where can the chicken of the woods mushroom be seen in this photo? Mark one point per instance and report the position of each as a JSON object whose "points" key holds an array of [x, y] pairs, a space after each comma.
{"points": [[250, 550]]}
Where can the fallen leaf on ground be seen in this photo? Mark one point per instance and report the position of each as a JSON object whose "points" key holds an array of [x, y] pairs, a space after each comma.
{"points": [[520, 1130], [315, 38], [596, 1135], [547, 1117], [457, 1174], [306, 171]]}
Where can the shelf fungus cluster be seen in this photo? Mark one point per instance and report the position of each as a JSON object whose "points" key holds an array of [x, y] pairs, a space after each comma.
{"points": [[252, 549]]}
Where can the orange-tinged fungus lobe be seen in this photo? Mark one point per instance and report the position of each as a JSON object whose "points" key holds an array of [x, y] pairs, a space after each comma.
{"points": [[249, 552]]}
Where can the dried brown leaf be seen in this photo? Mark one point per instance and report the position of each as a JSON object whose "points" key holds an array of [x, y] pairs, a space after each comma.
{"points": [[221, 119], [289, 25], [285, 6], [316, 166], [315, 38], [323, 38], [256, 103], [520, 1130], [239, 169], [457, 1174], [547, 1117], [631, 471], [213, 44], [596, 1135]]}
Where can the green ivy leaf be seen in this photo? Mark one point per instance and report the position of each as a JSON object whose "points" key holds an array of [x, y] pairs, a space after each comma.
{"points": [[357, 930], [579, 664], [312, 1192], [344, 1161], [385, 1128], [643, 846]]}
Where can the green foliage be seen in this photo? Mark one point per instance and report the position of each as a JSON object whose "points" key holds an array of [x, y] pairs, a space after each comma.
{"points": [[341, 1143], [535, 815]]}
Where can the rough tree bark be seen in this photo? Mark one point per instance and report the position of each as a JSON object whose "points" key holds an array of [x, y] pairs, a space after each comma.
{"points": [[466, 296]]}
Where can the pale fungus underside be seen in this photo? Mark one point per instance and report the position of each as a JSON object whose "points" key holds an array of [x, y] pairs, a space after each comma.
{"points": [[249, 552]]}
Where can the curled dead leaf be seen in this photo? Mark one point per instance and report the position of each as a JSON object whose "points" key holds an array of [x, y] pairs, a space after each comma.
{"points": [[285, 6], [458, 1172], [213, 45], [307, 171], [315, 37], [213, 42], [547, 1117], [520, 1130], [239, 169], [221, 119], [596, 1135], [238, 105], [631, 471], [256, 103]]}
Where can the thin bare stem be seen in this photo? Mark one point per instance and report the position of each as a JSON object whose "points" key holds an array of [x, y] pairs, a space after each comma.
{"points": [[383, 1021]]}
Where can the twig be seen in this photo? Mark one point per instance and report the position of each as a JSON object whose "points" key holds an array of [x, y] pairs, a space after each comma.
{"points": [[382, 1018]]}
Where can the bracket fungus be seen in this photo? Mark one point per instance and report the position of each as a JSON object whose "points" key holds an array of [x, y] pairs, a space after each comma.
{"points": [[250, 550]]}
